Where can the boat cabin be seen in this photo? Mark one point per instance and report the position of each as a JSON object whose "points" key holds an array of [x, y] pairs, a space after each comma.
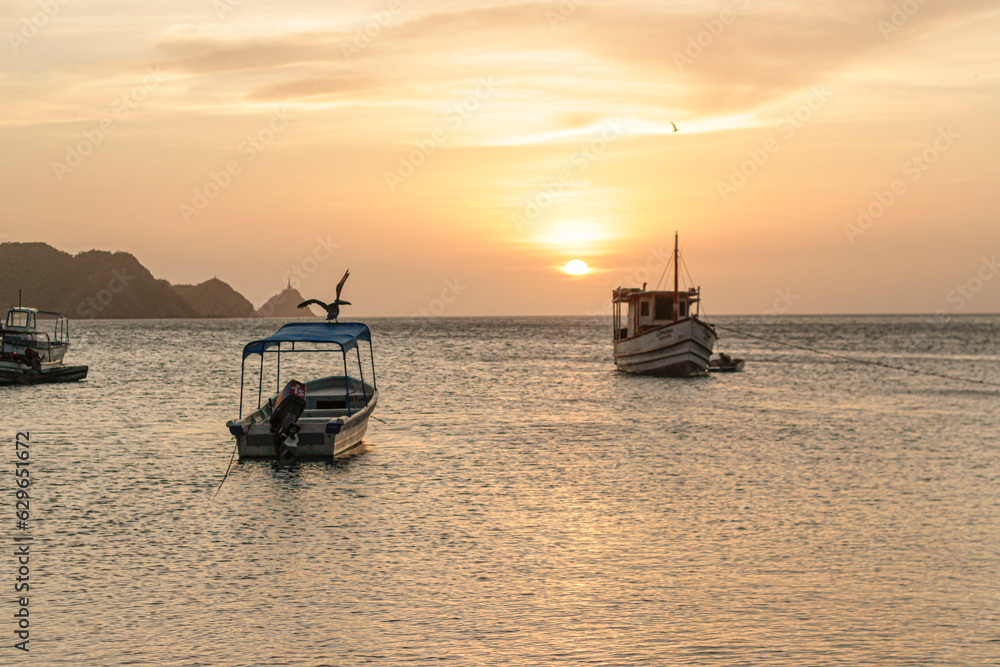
{"points": [[645, 311], [21, 318], [25, 321]]}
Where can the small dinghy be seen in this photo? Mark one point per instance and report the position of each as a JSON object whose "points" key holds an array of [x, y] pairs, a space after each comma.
{"points": [[725, 363]]}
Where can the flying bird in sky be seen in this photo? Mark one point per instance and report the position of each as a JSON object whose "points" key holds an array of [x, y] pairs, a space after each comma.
{"points": [[332, 309], [675, 126]]}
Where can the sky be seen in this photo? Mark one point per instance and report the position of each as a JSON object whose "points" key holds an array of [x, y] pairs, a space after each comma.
{"points": [[829, 157]]}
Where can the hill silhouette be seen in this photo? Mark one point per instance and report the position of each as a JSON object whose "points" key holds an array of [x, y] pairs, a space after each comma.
{"points": [[214, 298], [284, 304], [106, 285]]}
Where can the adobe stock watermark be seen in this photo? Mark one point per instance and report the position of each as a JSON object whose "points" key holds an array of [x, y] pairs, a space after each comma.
{"points": [[249, 149], [580, 161], [92, 306], [300, 271], [965, 292], [714, 27], [781, 306], [562, 13], [32, 26], [785, 129], [962, 294], [223, 7], [437, 306], [901, 14], [656, 262], [365, 35], [458, 113], [914, 168], [121, 107]]}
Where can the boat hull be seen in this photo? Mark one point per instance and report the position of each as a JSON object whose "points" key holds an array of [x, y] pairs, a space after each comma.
{"points": [[315, 440], [678, 349], [15, 374], [717, 366], [18, 344]]}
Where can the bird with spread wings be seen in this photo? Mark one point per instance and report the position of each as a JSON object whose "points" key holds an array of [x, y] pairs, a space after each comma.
{"points": [[333, 308]]}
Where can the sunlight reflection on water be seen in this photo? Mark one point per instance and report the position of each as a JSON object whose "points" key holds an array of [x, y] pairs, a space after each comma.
{"points": [[526, 504]]}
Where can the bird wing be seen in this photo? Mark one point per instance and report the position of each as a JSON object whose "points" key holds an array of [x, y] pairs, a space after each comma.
{"points": [[316, 301], [343, 280]]}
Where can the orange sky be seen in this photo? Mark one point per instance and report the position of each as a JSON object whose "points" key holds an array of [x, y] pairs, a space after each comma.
{"points": [[458, 153]]}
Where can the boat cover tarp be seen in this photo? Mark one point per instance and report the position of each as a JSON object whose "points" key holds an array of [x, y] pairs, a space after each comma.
{"points": [[343, 334]]}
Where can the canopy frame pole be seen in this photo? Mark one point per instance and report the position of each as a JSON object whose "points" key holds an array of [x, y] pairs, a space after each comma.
{"points": [[347, 385], [260, 383], [371, 357], [361, 369], [243, 365]]}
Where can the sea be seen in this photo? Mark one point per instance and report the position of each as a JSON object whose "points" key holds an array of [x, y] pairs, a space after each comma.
{"points": [[520, 503]]}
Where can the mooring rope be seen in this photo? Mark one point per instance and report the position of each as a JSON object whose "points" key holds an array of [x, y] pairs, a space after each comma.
{"points": [[856, 359], [230, 467]]}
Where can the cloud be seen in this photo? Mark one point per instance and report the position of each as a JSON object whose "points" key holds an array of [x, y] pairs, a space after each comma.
{"points": [[313, 87], [206, 54], [650, 61], [690, 58]]}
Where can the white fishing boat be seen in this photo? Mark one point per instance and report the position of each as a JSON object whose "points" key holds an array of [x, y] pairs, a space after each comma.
{"points": [[662, 333], [322, 418], [30, 354]]}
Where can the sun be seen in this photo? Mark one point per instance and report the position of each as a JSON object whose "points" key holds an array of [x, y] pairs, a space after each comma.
{"points": [[576, 267]]}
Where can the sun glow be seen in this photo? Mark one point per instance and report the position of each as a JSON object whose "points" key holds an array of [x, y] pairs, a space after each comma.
{"points": [[576, 267], [572, 233]]}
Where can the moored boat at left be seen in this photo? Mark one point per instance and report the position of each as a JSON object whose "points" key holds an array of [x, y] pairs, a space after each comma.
{"points": [[30, 354]]}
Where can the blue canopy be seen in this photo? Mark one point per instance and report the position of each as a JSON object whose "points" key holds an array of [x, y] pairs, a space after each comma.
{"points": [[344, 334]]}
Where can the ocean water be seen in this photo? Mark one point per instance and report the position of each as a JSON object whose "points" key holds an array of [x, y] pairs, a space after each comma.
{"points": [[523, 504]]}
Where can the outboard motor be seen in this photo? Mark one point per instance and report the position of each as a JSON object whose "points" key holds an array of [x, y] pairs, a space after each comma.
{"points": [[287, 409]]}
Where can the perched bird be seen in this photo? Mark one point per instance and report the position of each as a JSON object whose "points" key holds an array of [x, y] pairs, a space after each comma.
{"points": [[675, 126], [332, 309]]}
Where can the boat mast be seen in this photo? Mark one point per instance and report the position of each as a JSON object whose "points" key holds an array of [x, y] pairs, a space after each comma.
{"points": [[677, 298]]}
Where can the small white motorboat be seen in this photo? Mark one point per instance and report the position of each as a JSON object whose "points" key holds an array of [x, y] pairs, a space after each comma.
{"points": [[323, 418], [31, 355], [662, 333]]}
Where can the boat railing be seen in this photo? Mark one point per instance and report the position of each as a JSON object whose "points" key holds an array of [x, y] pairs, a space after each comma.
{"points": [[60, 334], [24, 339]]}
